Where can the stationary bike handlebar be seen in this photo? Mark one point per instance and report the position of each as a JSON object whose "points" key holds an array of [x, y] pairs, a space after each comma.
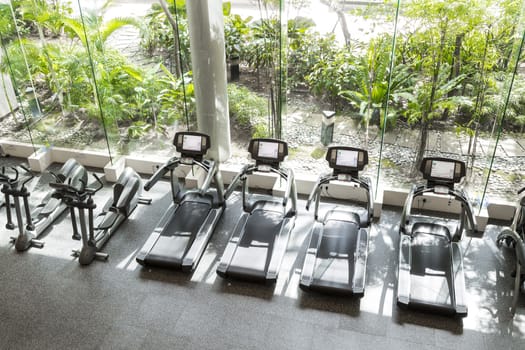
{"points": [[68, 189], [13, 180]]}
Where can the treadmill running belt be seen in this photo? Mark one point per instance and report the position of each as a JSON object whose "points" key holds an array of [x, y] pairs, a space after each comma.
{"points": [[334, 267], [431, 270], [253, 254], [178, 235]]}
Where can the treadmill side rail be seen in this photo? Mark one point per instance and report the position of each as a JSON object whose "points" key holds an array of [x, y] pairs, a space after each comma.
{"points": [[360, 257], [311, 255], [281, 242], [231, 247], [201, 240], [403, 282], [154, 236], [459, 280]]}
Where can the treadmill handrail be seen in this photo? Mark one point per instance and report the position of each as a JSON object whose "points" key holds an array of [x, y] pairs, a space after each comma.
{"points": [[326, 179], [466, 208], [248, 168], [210, 167], [290, 191], [169, 165]]}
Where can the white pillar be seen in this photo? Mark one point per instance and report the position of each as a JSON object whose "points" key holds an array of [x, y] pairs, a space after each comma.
{"points": [[208, 58], [7, 94]]}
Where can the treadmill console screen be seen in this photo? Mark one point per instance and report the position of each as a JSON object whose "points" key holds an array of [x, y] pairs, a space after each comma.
{"points": [[191, 143], [346, 159], [268, 150], [442, 170]]}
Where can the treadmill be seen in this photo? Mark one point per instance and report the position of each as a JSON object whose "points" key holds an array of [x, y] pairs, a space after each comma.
{"points": [[182, 234], [335, 262], [258, 243], [430, 275]]}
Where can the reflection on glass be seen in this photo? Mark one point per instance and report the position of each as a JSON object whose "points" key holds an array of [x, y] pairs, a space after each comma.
{"points": [[20, 105], [145, 74], [505, 170], [405, 79]]}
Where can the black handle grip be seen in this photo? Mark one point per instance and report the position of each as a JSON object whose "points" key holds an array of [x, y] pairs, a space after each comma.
{"points": [[156, 177]]}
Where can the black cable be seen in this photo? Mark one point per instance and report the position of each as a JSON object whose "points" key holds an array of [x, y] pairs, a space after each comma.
{"points": [[100, 107], [180, 64]]}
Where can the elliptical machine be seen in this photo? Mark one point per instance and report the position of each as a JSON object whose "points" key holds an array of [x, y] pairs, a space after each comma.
{"points": [[46, 212], [335, 261], [15, 187], [514, 237], [97, 231]]}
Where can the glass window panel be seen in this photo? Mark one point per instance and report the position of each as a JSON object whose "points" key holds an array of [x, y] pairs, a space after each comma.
{"points": [[506, 146], [143, 73], [19, 105], [443, 87], [256, 41], [58, 86]]}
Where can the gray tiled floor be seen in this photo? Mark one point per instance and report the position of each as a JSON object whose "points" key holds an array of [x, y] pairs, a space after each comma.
{"points": [[49, 301]]}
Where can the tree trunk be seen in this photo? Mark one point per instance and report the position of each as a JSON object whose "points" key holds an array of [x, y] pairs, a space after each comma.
{"points": [[456, 60], [341, 16], [173, 22], [426, 117], [344, 27], [480, 100]]}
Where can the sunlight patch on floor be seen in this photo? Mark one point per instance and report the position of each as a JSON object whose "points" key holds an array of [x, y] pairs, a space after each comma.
{"points": [[292, 289], [129, 263], [373, 303], [205, 271]]}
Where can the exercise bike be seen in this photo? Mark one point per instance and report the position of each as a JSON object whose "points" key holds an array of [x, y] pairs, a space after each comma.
{"points": [[97, 231], [48, 210], [514, 237]]}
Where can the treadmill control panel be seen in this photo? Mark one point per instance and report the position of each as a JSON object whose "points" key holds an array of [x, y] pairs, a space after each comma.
{"points": [[443, 170], [268, 151], [346, 159], [191, 144]]}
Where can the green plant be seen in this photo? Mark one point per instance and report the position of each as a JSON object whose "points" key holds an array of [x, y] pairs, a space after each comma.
{"points": [[236, 31], [372, 74], [44, 16], [260, 130], [333, 72], [246, 106], [91, 29], [157, 35], [318, 153]]}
